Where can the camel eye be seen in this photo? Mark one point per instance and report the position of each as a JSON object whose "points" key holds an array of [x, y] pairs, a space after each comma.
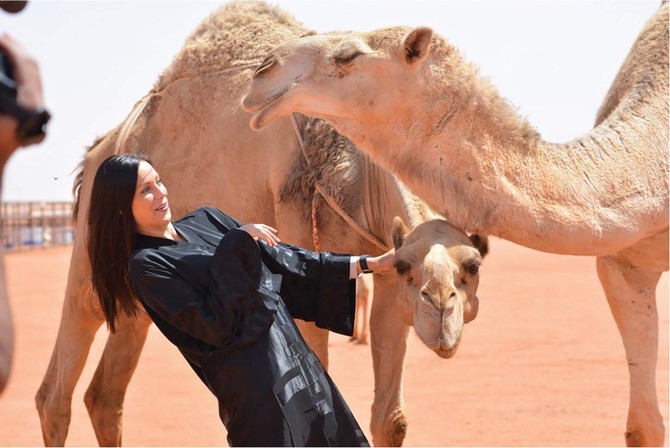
{"points": [[346, 58], [404, 270], [472, 268], [402, 267], [346, 53]]}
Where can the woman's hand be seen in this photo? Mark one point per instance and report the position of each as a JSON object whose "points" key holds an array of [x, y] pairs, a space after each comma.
{"points": [[262, 232], [383, 262]]}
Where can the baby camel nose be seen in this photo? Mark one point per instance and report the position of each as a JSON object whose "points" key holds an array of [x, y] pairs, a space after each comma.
{"points": [[269, 61]]}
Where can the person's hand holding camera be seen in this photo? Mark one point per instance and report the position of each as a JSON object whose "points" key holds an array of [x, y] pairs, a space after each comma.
{"points": [[22, 117]]}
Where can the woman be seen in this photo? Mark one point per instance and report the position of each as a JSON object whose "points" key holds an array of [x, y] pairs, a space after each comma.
{"points": [[225, 294]]}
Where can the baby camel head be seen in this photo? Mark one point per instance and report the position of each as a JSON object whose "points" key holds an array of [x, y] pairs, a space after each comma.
{"points": [[440, 266]]}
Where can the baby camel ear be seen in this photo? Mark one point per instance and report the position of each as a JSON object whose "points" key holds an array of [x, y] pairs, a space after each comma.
{"points": [[417, 45], [481, 244], [399, 232]]}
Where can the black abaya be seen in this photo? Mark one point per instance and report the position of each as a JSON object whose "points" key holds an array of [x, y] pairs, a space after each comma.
{"points": [[227, 303]]}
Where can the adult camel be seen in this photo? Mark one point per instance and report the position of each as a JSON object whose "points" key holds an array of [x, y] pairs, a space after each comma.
{"points": [[409, 100], [198, 137]]}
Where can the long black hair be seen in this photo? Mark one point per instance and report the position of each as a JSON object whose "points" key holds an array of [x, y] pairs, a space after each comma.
{"points": [[111, 234]]}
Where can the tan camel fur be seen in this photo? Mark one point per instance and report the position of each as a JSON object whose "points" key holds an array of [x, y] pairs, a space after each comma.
{"points": [[199, 140], [409, 99], [363, 305]]}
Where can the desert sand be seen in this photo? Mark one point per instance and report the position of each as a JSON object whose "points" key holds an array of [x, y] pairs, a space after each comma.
{"points": [[542, 365]]}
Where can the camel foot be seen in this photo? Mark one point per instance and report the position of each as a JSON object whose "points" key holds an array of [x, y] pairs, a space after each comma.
{"points": [[106, 418], [646, 431], [633, 438], [394, 431], [637, 438], [53, 421], [398, 431]]}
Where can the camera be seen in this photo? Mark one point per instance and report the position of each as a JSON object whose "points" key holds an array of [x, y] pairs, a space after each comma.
{"points": [[32, 123]]}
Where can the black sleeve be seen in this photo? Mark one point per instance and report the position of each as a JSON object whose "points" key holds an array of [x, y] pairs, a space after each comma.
{"points": [[230, 313], [222, 221], [315, 286]]}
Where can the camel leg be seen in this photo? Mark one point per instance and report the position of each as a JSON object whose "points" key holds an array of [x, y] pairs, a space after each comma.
{"points": [[293, 229], [361, 319], [365, 314], [77, 329], [631, 294], [388, 335], [316, 338], [104, 396]]}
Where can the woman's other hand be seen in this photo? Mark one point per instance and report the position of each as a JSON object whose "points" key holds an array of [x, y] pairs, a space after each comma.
{"points": [[262, 232]]}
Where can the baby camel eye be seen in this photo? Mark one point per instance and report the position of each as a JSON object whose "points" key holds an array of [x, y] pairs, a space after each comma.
{"points": [[402, 267], [472, 268]]}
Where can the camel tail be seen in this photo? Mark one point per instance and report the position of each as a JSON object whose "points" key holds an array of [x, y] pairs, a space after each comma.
{"points": [[79, 178]]}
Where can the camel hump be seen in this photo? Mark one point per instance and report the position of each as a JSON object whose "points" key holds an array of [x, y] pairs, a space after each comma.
{"points": [[235, 34], [644, 72]]}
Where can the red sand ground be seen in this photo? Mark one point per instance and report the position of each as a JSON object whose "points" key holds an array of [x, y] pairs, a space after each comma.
{"points": [[542, 365]]}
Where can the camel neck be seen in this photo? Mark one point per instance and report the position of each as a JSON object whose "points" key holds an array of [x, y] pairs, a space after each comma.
{"points": [[498, 177]]}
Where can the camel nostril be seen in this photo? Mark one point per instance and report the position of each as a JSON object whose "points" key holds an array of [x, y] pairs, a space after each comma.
{"points": [[266, 65]]}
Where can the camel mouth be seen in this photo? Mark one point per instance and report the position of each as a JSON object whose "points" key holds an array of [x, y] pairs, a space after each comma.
{"points": [[444, 347], [265, 109], [445, 353]]}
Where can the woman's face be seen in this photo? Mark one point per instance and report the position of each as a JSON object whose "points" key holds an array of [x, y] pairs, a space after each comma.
{"points": [[150, 204]]}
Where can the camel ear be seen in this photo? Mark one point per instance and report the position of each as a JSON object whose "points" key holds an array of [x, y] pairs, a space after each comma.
{"points": [[399, 232], [417, 45], [481, 244]]}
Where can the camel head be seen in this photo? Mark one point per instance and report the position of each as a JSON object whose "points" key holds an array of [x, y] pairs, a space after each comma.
{"points": [[342, 77], [440, 266]]}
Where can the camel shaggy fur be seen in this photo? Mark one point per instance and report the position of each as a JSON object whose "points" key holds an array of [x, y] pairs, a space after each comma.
{"points": [[198, 137], [409, 99]]}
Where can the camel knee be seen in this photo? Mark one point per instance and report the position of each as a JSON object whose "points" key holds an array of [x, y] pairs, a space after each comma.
{"points": [[41, 398], [98, 406], [391, 430]]}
